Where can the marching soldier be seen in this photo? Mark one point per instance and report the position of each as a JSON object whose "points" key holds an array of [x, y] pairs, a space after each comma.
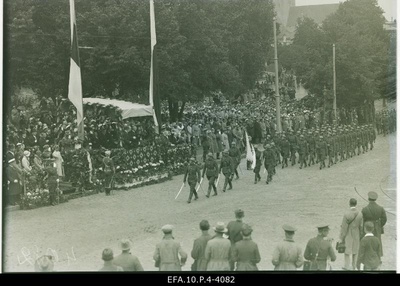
{"points": [[372, 136], [321, 149], [292, 141], [211, 170], [192, 175], [358, 140], [311, 146], [226, 167], [285, 151], [303, 151], [269, 162], [234, 153], [258, 149]]}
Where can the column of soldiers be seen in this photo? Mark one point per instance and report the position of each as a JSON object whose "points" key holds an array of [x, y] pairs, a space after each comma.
{"points": [[386, 122], [326, 146]]}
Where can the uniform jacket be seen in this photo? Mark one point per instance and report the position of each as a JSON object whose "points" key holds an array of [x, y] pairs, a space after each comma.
{"points": [[226, 165], [210, 167], [246, 254], [198, 253], [128, 262], [287, 256], [318, 250], [351, 229], [376, 214], [234, 231], [167, 253], [14, 179], [192, 174], [235, 155], [269, 158], [109, 266], [370, 252], [218, 254]]}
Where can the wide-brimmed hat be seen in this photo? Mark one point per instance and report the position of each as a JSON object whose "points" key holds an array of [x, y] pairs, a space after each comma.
{"points": [[247, 229], [125, 244], [220, 228]]}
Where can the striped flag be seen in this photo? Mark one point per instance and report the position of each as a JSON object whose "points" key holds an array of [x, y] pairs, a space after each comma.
{"points": [[153, 98], [75, 80]]}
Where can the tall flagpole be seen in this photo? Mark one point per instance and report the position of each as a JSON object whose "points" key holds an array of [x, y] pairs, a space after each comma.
{"points": [[75, 79], [153, 43], [278, 104], [334, 84]]}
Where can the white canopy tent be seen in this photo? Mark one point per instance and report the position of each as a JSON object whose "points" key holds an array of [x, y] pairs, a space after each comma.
{"points": [[128, 109]]}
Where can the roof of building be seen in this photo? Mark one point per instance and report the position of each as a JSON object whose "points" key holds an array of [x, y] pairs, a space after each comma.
{"points": [[316, 12]]}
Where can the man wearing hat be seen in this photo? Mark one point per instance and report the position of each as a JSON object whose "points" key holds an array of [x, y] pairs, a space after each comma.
{"points": [[226, 166], [109, 171], [311, 148], [169, 255], [303, 151], [269, 162], [126, 260], [108, 257], [218, 250], [234, 230], [287, 254], [258, 149], [375, 214], [321, 147], [15, 182], [52, 180], [199, 248], [234, 153], [245, 252], [319, 249], [211, 169], [192, 175], [285, 151], [350, 231]]}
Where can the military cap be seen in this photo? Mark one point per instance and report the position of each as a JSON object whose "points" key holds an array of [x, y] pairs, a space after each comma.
{"points": [[372, 196], [288, 228], [167, 228], [239, 212], [323, 226]]}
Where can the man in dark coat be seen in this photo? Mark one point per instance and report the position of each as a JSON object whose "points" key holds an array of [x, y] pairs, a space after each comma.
{"points": [[370, 250], [52, 180], [199, 248], [245, 252], [303, 151], [375, 214], [226, 167], [269, 162], [319, 249], [285, 151], [109, 171], [321, 150], [192, 175], [211, 170], [234, 153], [15, 183], [258, 150], [235, 230]]}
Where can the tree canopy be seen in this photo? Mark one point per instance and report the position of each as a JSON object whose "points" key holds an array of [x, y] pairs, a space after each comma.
{"points": [[362, 53], [202, 47]]}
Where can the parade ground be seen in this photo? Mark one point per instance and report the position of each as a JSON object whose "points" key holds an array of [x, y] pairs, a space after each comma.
{"points": [[76, 232]]}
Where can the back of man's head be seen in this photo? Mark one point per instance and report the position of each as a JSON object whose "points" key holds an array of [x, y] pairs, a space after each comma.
{"points": [[353, 202]]}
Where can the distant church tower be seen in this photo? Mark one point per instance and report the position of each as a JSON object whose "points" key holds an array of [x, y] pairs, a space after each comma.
{"points": [[282, 8]]}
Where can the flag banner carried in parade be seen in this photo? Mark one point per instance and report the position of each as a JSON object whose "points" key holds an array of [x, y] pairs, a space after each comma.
{"points": [[153, 90], [75, 80], [249, 150]]}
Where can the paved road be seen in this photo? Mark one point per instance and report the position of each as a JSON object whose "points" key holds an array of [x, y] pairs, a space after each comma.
{"points": [[79, 230]]}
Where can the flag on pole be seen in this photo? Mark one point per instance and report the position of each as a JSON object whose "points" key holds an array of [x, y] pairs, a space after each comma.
{"points": [[250, 153], [153, 91], [75, 80]]}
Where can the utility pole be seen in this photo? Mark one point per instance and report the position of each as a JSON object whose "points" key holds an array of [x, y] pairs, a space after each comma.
{"points": [[278, 107], [334, 84]]}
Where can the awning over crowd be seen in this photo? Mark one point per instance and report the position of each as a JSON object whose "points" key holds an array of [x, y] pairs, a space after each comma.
{"points": [[128, 109]]}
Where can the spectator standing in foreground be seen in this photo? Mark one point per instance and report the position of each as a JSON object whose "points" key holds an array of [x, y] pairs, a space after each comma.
{"points": [[245, 252], [126, 260], [218, 250], [287, 254], [370, 249], [199, 248], [108, 257]]}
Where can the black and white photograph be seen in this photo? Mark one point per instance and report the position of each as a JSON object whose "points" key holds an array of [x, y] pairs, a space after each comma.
{"points": [[199, 136]]}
